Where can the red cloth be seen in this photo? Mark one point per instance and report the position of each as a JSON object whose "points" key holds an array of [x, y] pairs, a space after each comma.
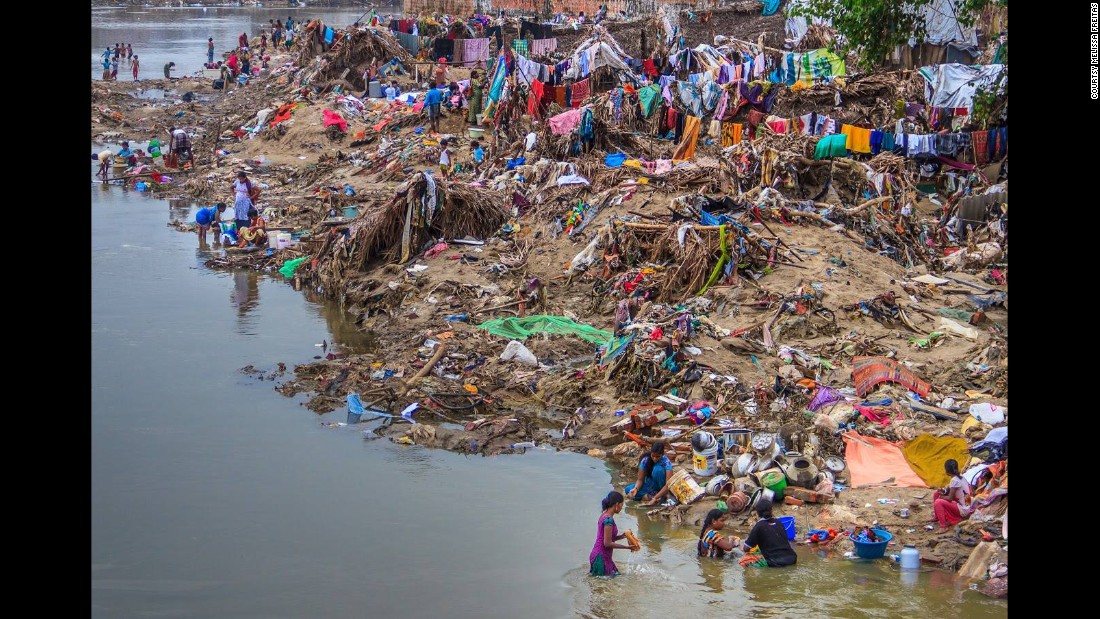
{"points": [[533, 101], [947, 512], [870, 371], [332, 118], [580, 92], [649, 67], [980, 141]]}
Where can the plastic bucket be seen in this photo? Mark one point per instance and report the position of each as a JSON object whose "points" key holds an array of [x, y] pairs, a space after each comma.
{"points": [[282, 240], [684, 487], [775, 482], [788, 526], [705, 462], [872, 550]]}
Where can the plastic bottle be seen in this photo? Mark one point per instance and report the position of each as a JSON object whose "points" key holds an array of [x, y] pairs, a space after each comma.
{"points": [[524, 445], [910, 558], [457, 317]]}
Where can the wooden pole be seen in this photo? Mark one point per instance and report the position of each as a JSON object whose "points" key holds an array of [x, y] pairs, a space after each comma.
{"points": [[424, 370]]}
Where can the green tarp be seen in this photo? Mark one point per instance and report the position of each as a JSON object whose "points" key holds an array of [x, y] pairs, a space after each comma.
{"points": [[290, 266], [831, 146], [520, 328]]}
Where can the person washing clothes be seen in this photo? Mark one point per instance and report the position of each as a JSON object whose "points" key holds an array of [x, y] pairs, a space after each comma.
{"points": [[767, 544], [207, 217], [653, 474], [242, 199], [600, 562], [255, 233], [711, 543]]}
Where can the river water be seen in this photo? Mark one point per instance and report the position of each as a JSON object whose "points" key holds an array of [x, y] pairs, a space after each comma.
{"points": [[214, 496]]}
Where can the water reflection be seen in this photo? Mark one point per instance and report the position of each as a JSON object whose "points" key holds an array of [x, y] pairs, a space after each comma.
{"points": [[245, 297]]}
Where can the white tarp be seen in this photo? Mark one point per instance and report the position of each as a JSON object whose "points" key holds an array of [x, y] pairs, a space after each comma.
{"points": [[942, 24], [954, 85]]}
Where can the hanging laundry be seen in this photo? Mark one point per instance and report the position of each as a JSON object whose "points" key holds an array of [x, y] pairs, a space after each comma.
{"points": [[711, 93], [831, 146], [690, 97], [443, 48], [723, 103], [806, 124], [475, 52], [649, 68], [778, 125], [876, 141], [540, 47], [920, 144], [565, 122], [535, 99], [520, 46], [580, 92], [648, 98], [559, 96], [686, 150], [731, 134], [806, 67], [887, 142], [859, 139]]}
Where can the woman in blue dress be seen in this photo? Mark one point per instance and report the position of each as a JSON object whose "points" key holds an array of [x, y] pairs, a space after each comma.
{"points": [[653, 474]]}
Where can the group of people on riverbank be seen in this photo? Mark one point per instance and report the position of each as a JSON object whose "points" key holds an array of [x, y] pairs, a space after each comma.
{"points": [[246, 227], [767, 544]]}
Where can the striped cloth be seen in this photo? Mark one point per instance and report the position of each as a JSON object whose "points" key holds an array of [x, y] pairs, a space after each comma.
{"points": [[539, 47], [520, 46], [870, 371]]}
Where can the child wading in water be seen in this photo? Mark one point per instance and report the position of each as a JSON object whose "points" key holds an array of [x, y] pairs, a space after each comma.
{"points": [[711, 542], [607, 533]]}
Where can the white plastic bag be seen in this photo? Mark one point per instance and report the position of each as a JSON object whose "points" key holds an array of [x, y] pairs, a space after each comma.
{"points": [[516, 350], [987, 412]]}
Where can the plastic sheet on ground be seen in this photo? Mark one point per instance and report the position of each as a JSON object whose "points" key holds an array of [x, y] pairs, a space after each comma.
{"points": [[522, 328], [874, 461], [927, 453]]}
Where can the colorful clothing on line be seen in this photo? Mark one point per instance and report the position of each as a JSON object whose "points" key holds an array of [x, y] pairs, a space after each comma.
{"points": [[580, 92], [731, 134], [539, 47], [979, 139], [859, 139], [686, 149], [520, 46]]}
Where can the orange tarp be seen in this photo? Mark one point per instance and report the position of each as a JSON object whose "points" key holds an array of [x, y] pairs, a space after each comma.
{"points": [[872, 461]]}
